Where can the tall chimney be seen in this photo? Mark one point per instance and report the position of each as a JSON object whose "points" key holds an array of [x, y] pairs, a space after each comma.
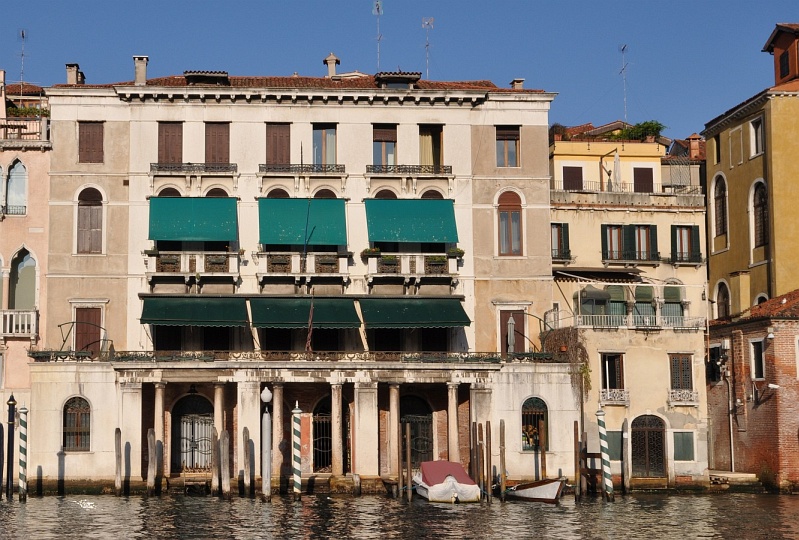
{"points": [[140, 68], [72, 73], [517, 84], [331, 61], [693, 146]]}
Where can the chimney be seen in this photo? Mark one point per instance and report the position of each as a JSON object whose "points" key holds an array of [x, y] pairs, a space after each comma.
{"points": [[693, 146], [72, 73], [517, 84], [2, 93], [140, 70], [331, 61]]}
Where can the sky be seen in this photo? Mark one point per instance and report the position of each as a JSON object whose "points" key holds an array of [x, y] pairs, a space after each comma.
{"points": [[685, 62]]}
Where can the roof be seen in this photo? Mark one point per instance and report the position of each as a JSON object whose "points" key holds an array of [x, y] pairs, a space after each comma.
{"points": [[785, 306], [791, 28], [367, 82], [24, 89]]}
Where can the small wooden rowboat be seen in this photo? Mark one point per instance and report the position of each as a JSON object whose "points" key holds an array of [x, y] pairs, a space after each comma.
{"points": [[547, 491]]}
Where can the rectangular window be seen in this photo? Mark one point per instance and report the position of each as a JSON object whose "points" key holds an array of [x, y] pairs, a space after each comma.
{"points": [[758, 364], [90, 142], [713, 366], [681, 371], [324, 144], [384, 144], [716, 149], [756, 137], [90, 227], [613, 242], [643, 180], [560, 241], [430, 146], [507, 146], [615, 441], [510, 240], [278, 144], [572, 178], [683, 446], [685, 243], [612, 371], [784, 64], [642, 243], [87, 330], [170, 142], [217, 142], [516, 340]]}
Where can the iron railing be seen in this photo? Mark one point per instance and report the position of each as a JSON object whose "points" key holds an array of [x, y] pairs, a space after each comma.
{"points": [[626, 187], [409, 169], [196, 168], [301, 168], [26, 129]]}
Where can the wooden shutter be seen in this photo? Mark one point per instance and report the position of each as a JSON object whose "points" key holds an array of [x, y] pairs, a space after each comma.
{"points": [[603, 230], [654, 252], [643, 180], [278, 144], [90, 142], [696, 255], [628, 245], [572, 178], [170, 142], [217, 142], [87, 330], [384, 133], [507, 133], [518, 319], [564, 240]]}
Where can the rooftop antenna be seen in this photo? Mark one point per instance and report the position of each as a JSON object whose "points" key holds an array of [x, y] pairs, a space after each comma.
{"points": [[377, 9], [22, 35], [427, 24], [623, 73]]}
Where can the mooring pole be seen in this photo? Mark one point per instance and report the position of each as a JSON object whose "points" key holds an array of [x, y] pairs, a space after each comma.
{"points": [[214, 462], [408, 464], [224, 463], [23, 454], [607, 480], [503, 477], [542, 444], [266, 447], [480, 459], [151, 459], [296, 444], [489, 472], [117, 457], [245, 439], [12, 411], [577, 472]]}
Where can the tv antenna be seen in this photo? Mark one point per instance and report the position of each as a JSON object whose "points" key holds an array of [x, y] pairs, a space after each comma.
{"points": [[377, 9], [427, 24], [623, 73], [22, 35]]}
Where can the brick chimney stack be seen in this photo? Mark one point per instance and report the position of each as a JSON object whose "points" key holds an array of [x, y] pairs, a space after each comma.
{"points": [[75, 75], [693, 147], [517, 84], [140, 69], [331, 61]]}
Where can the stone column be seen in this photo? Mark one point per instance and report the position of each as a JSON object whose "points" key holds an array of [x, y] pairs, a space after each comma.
{"points": [[479, 403], [219, 404], [277, 428], [394, 446], [249, 416], [130, 422], [453, 448], [365, 459], [158, 427], [336, 431]]}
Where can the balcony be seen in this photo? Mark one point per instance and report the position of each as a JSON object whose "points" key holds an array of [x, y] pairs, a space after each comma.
{"points": [[638, 321], [686, 398], [615, 396], [626, 187], [315, 266], [19, 323], [198, 264], [412, 265], [685, 258], [631, 258], [13, 210], [301, 168], [18, 132], [409, 170], [561, 255], [193, 168]]}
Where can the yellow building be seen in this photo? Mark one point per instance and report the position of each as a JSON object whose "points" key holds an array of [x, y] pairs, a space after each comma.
{"points": [[751, 171]]}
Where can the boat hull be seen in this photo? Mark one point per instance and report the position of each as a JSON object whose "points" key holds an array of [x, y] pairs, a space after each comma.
{"points": [[448, 491], [547, 491]]}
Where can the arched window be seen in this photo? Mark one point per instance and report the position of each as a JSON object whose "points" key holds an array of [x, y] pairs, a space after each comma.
{"points": [[77, 425], [672, 310], [22, 286], [432, 194], [720, 207], [722, 302], [510, 224], [17, 190], [277, 193], [760, 213], [534, 415], [385, 194], [324, 194], [217, 192], [169, 192], [90, 221]]}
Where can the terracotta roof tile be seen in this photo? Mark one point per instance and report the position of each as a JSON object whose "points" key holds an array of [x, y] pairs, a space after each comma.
{"points": [[24, 89], [786, 306]]}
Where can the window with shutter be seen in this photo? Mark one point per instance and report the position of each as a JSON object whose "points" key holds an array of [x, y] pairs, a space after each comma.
{"points": [[90, 142], [217, 142], [572, 178], [90, 221], [88, 330], [384, 144], [507, 146], [612, 371], [681, 376], [278, 144], [643, 180], [510, 226], [170, 142]]}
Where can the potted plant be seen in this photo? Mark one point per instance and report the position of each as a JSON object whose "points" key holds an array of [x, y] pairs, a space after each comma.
{"points": [[370, 252], [455, 253]]}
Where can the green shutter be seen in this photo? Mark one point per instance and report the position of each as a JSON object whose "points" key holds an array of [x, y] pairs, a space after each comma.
{"points": [[565, 240], [696, 252], [674, 254], [628, 242], [654, 252], [604, 232]]}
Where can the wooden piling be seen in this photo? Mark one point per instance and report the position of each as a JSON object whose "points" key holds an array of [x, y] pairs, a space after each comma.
{"points": [[577, 466], [489, 472], [118, 458], [473, 451], [584, 461], [625, 457], [224, 463], [503, 477], [214, 463], [408, 465], [245, 436], [151, 461], [399, 460], [542, 443], [480, 458]]}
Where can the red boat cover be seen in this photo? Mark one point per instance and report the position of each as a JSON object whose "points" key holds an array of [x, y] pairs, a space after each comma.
{"points": [[435, 472]]}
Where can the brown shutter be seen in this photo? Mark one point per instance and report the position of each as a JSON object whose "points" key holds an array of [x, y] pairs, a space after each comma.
{"points": [[385, 133], [507, 133], [87, 330], [518, 319], [170, 142], [96, 228], [217, 142], [278, 144], [643, 180], [90, 142], [84, 221], [572, 178]]}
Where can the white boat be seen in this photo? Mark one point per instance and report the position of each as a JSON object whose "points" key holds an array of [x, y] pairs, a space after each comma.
{"points": [[445, 481], [547, 491]]}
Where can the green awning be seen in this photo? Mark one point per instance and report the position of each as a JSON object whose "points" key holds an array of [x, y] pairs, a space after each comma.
{"points": [[295, 312], [195, 311], [411, 220], [293, 221], [413, 313], [188, 219]]}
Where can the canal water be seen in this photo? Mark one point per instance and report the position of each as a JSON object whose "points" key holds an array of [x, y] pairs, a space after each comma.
{"points": [[738, 516]]}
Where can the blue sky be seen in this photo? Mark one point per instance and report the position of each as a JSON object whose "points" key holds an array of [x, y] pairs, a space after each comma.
{"points": [[687, 60]]}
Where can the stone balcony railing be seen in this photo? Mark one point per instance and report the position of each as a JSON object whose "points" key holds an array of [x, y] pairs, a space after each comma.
{"points": [[289, 263], [19, 323], [192, 262], [636, 321], [614, 396], [684, 397], [412, 265]]}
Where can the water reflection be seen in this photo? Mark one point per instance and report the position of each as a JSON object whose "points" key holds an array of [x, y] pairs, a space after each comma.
{"points": [[640, 516]]}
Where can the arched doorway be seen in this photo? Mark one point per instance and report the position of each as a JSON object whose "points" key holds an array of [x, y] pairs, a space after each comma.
{"points": [[416, 412], [323, 436], [192, 433], [22, 289], [648, 447]]}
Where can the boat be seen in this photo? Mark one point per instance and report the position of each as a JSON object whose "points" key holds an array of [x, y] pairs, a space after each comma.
{"points": [[445, 481], [547, 490]]}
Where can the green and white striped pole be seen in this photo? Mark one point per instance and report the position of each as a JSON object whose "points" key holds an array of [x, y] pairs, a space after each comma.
{"points": [[607, 480], [296, 444], [23, 454]]}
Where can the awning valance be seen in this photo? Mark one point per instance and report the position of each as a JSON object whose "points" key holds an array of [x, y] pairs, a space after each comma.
{"points": [[411, 220], [168, 311], [189, 219], [413, 313], [302, 221], [295, 313]]}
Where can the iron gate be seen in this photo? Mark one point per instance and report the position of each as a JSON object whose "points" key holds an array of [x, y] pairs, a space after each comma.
{"points": [[648, 447], [322, 443], [421, 439], [195, 442]]}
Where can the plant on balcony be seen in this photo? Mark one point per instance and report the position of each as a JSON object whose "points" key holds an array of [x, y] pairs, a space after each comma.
{"points": [[436, 259], [370, 252], [150, 252], [389, 259], [27, 112], [455, 253]]}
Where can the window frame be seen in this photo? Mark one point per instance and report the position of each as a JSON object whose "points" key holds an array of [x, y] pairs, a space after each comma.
{"points": [[618, 360], [384, 144], [84, 412], [722, 287], [756, 137], [692, 446], [760, 236], [93, 211], [14, 179], [507, 137], [510, 222], [569, 173], [559, 241], [170, 142], [322, 135], [613, 236], [757, 361], [532, 413], [217, 133], [720, 222], [90, 135], [681, 371]]}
